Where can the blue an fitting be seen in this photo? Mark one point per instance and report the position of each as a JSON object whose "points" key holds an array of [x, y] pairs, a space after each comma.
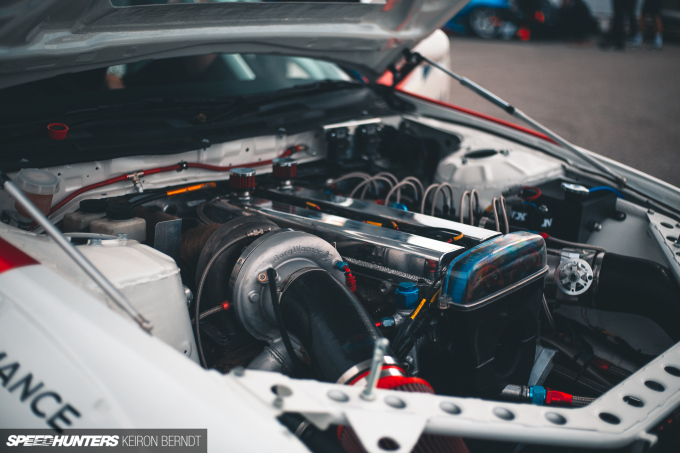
{"points": [[406, 296], [396, 205], [340, 265], [537, 394], [387, 322]]}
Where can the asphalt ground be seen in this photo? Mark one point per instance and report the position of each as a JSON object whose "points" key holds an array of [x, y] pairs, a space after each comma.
{"points": [[623, 105]]}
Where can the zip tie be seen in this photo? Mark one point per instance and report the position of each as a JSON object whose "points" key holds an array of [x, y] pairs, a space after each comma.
{"points": [[415, 313]]}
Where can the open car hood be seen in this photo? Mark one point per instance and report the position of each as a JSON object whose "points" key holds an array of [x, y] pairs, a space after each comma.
{"points": [[51, 37]]}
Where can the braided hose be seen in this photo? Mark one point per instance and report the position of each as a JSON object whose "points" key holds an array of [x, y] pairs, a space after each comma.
{"points": [[581, 401]]}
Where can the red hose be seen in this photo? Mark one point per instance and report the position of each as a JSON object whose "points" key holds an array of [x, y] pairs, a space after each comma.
{"points": [[537, 193], [153, 171], [82, 190]]}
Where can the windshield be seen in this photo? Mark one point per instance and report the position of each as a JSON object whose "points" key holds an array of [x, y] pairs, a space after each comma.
{"points": [[231, 73], [199, 76], [173, 105]]}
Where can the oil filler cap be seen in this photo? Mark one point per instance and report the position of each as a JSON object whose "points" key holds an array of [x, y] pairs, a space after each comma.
{"points": [[406, 296], [242, 178], [574, 191]]}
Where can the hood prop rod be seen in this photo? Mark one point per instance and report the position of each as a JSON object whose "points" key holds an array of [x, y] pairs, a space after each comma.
{"points": [[66, 245], [415, 57]]}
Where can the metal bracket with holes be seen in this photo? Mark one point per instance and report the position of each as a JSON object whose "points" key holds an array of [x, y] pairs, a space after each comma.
{"points": [[666, 232], [621, 417]]}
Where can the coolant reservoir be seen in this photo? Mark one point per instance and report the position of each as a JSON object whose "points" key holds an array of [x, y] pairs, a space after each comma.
{"points": [[491, 171], [120, 219], [149, 279], [39, 186], [80, 220]]}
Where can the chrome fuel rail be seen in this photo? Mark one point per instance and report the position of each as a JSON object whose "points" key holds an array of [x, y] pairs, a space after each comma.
{"points": [[619, 418], [363, 210], [369, 249]]}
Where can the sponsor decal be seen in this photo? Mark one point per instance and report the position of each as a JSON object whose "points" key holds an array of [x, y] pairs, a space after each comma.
{"points": [[48, 404], [44, 403]]}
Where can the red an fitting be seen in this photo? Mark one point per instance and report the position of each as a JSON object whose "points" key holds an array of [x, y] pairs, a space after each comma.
{"points": [[558, 398], [351, 282], [57, 131]]}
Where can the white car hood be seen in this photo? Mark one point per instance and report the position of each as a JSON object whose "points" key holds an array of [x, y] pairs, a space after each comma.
{"points": [[40, 39]]}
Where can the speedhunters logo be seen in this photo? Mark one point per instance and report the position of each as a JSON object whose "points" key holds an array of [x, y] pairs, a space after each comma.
{"points": [[33, 440], [114, 440]]}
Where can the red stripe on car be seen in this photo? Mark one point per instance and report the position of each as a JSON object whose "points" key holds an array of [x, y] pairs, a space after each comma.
{"points": [[477, 114], [11, 257]]}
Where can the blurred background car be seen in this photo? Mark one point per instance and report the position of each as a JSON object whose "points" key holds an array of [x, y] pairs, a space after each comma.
{"points": [[527, 19], [484, 18]]}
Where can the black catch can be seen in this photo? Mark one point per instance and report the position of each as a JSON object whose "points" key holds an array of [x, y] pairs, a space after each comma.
{"points": [[487, 335]]}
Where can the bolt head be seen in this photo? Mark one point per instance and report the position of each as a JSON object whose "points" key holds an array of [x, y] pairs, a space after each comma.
{"points": [[189, 295], [619, 215]]}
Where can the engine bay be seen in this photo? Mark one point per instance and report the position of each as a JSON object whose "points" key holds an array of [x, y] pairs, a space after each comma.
{"points": [[494, 270]]}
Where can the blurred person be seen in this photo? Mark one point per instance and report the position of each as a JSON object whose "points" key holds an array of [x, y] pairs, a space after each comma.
{"points": [[576, 22], [617, 34], [650, 9]]}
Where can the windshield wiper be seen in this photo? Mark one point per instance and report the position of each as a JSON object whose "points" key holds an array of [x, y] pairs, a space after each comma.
{"points": [[122, 110], [197, 110], [253, 104], [415, 58]]}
